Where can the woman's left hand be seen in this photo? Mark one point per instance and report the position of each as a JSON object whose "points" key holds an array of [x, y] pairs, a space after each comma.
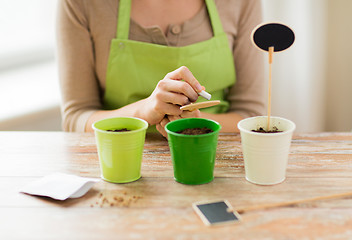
{"points": [[185, 114]]}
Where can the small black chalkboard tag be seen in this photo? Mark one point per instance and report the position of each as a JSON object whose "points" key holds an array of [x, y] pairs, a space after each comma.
{"points": [[276, 35], [216, 212]]}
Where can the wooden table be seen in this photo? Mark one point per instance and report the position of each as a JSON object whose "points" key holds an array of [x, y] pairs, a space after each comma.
{"points": [[157, 207]]}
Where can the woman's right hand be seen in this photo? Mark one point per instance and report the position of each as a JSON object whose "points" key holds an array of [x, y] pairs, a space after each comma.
{"points": [[169, 95], [185, 114]]}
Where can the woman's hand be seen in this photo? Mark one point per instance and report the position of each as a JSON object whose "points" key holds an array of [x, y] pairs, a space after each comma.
{"points": [[169, 95], [185, 114]]}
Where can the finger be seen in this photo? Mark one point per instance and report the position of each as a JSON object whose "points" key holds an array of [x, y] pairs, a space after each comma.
{"points": [[181, 87], [162, 125], [173, 117], [162, 108], [190, 114], [175, 98], [161, 130], [164, 122], [183, 73], [168, 109]]}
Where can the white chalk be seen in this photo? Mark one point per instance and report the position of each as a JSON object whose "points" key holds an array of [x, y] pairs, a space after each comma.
{"points": [[205, 95]]}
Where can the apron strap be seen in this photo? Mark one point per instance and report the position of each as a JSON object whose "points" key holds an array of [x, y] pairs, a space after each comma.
{"points": [[214, 17], [123, 21]]}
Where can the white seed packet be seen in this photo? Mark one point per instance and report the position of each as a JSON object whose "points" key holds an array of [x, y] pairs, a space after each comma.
{"points": [[60, 186]]}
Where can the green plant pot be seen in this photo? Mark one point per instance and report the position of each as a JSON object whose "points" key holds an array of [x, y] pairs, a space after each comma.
{"points": [[193, 156]]}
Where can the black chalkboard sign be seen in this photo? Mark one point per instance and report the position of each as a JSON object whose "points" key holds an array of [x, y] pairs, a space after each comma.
{"points": [[215, 213], [272, 37], [275, 35]]}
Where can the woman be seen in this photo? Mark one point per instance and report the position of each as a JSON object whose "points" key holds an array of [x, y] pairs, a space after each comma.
{"points": [[146, 58]]}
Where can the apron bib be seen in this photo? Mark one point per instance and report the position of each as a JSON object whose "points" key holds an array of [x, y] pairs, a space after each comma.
{"points": [[135, 68]]}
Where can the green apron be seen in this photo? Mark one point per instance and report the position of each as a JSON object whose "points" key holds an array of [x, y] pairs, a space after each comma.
{"points": [[135, 68]]}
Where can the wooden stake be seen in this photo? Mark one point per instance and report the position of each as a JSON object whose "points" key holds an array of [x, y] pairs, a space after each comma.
{"points": [[288, 203], [271, 52], [193, 106]]}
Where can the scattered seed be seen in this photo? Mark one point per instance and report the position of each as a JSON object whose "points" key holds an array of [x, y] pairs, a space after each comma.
{"points": [[124, 201]]}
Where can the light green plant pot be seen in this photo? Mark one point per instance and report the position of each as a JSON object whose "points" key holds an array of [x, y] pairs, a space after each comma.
{"points": [[120, 153]]}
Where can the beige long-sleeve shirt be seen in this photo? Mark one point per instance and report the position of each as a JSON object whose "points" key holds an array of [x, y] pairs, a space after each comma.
{"points": [[86, 27]]}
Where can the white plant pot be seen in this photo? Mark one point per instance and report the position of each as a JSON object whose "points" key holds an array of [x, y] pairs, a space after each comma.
{"points": [[265, 154]]}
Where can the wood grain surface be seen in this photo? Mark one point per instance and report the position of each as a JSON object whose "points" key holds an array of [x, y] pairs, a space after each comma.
{"points": [[157, 207]]}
